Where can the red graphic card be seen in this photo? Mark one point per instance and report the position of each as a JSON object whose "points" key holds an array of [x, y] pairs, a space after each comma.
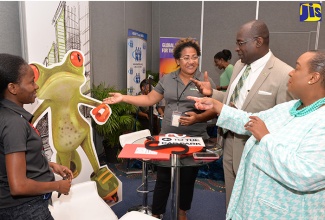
{"points": [[139, 151]]}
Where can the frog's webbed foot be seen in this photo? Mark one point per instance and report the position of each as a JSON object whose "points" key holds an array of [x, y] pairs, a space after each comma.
{"points": [[107, 184]]}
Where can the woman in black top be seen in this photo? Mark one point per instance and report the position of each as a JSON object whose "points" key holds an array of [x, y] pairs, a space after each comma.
{"points": [[26, 177]]}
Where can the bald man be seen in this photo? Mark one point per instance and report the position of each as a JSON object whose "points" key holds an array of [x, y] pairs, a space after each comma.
{"points": [[264, 87]]}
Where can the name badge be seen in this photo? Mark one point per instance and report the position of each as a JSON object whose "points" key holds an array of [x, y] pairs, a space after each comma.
{"points": [[175, 118]]}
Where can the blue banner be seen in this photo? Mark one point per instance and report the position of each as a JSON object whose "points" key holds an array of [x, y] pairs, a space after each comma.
{"points": [[136, 60]]}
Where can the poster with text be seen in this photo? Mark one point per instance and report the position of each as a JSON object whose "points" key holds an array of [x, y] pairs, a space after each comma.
{"points": [[167, 61], [136, 60]]}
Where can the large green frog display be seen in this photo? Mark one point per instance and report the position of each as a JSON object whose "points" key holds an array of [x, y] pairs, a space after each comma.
{"points": [[60, 89]]}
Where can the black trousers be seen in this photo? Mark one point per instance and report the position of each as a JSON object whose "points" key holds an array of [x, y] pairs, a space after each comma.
{"points": [[163, 184], [36, 209]]}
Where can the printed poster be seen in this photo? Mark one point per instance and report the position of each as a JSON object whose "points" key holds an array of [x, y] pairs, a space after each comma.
{"points": [[167, 60], [136, 60]]}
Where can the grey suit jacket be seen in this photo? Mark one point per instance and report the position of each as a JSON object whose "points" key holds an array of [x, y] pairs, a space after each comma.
{"points": [[272, 80]]}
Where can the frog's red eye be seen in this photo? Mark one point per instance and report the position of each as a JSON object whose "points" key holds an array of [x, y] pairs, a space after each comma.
{"points": [[76, 59], [36, 71]]}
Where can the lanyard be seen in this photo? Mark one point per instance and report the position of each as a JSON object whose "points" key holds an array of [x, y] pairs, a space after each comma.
{"points": [[179, 97], [35, 129]]}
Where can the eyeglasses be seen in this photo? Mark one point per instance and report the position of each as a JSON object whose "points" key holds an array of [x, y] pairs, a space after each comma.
{"points": [[187, 59], [241, 43]]}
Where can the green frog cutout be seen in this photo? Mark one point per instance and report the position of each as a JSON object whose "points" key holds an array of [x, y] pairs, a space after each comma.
{"points": [[60, 89]]}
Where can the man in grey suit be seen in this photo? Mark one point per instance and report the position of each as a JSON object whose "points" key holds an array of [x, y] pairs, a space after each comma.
{"points": [[264, 87]]}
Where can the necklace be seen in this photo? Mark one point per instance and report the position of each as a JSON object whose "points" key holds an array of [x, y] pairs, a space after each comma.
{"points": [[306, 110]]}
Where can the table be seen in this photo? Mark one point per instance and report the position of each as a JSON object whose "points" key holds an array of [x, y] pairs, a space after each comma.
{"points": [[175, 163]]}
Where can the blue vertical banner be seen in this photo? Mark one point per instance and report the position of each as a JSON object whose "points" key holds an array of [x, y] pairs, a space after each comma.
{"points": [[136, 60]]}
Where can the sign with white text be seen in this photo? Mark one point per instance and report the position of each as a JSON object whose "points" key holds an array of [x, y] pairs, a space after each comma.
{"points": [[189, 141]]}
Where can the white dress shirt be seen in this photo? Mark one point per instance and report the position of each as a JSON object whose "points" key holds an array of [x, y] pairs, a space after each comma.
{"points": [[256, 68]]}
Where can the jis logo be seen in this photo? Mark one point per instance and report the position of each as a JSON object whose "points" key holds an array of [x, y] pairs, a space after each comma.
{"points": [[310, 12]]}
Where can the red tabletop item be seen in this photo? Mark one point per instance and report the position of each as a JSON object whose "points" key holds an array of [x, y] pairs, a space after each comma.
{"points": [[192, 149]]}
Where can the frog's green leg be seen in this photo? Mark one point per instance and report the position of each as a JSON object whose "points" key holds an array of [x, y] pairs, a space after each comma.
{"points": [[87, 146], [74, 165], [107, 183]]}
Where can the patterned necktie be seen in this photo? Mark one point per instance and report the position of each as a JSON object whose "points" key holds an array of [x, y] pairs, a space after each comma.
{"points": [[237, 89], [240, 84]]}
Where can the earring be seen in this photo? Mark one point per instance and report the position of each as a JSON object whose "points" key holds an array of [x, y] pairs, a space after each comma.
{"points": [[309, 83]]}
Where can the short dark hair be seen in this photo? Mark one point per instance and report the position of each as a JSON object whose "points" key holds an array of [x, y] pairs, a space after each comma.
{"points": [[224, 54], [183, 43], [143, 83], [260, 29], [9, 70], [317, 63]]}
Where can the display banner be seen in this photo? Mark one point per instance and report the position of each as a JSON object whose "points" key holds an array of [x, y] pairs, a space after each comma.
{"points": [[167, 60], [61, 55], [136, 60]]}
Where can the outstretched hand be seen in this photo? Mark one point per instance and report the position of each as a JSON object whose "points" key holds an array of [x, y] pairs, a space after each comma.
{"points": [[202, 103], [207, 103], [203, 86], [114, 97]]}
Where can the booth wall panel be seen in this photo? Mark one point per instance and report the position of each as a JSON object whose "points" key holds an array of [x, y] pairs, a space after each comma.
{"points": [[221, 23], [180, 19], [289, 37], [109, 23], [174, 19], [106, 42], [139, 18], [10, 28], [282, 46], [222, 19], [284, 16], [155, 37], [321, 41]]}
